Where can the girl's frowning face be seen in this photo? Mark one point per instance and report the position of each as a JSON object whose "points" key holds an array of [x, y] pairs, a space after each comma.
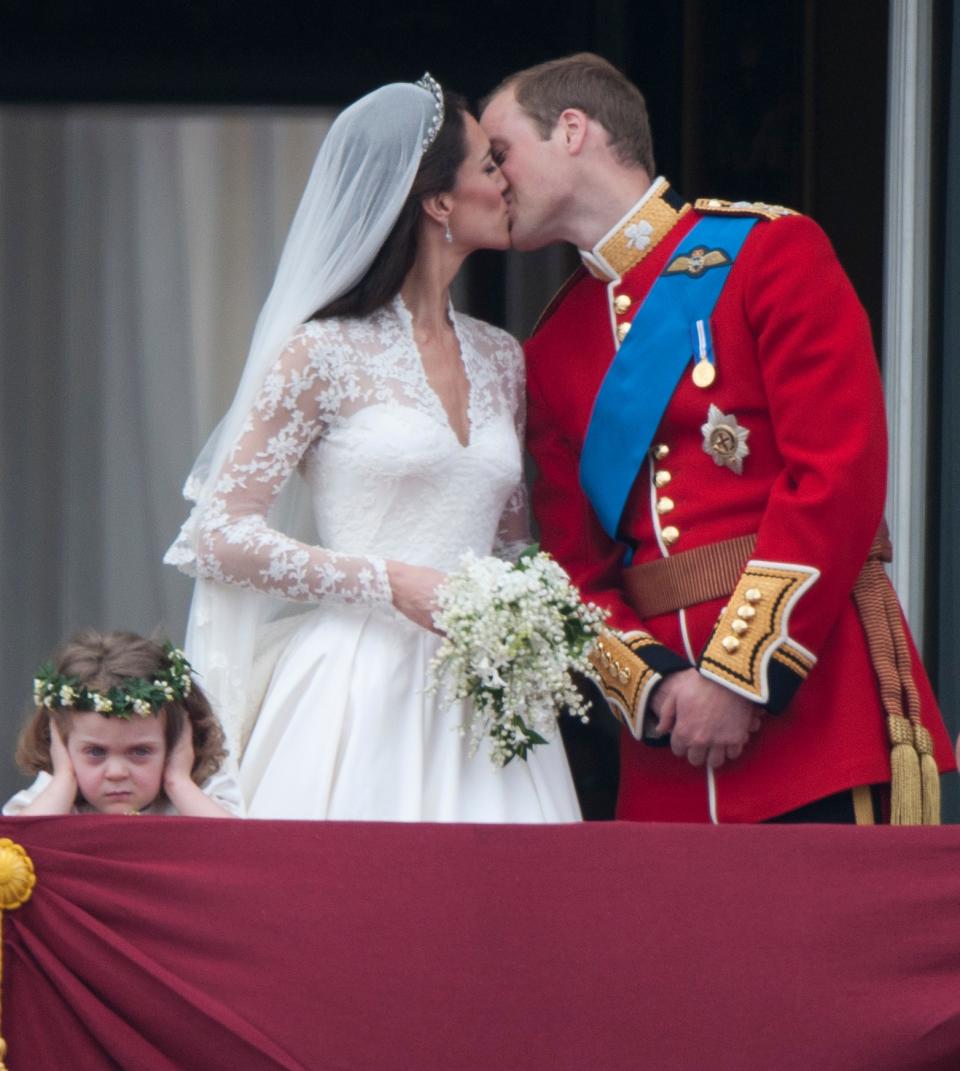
{"points": [[119, 762]]}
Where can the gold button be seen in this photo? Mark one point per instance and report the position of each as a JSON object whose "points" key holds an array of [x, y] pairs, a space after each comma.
{"points": [[660, 451], [753, 595], [621, 303], [739, 626], [748, 613], [670, 535], [622, 331], [662, 478], [730, 644], [664, 505]]}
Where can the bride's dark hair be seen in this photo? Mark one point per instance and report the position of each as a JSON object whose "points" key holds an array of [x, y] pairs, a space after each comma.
{"points": [[437, 174]]}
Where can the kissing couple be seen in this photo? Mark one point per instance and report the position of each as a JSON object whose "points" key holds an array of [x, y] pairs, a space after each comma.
{"points": [[666, 397]]}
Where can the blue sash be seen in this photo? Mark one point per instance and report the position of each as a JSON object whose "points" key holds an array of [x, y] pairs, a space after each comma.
{"points": [[669, 327]]}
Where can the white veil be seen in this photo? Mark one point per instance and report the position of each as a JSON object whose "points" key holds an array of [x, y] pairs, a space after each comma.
{"points": [[360, 180]]}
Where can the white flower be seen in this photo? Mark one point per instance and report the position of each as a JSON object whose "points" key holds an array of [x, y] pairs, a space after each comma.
{"points": [[142, 707], [638, 234], [67, 695], [512, 634], [101, 703]]}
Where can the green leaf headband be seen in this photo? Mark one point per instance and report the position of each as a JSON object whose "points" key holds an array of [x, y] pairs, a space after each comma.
{"points": [[133, 695]]}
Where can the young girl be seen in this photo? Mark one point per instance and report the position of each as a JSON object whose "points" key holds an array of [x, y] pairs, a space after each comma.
{"points": [[121, 727]]}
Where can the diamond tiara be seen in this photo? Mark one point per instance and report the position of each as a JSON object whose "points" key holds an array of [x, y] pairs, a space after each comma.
{"points": [[432, 86]]}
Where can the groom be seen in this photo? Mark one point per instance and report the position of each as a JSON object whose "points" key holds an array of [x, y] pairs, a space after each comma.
{"points": [[706, 417]]}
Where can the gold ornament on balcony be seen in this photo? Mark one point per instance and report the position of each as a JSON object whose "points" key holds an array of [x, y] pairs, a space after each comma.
{"points": [[17, 879]]}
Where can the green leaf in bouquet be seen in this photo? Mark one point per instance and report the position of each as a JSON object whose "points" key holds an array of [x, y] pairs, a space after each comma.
{"points": [[528, 552]]}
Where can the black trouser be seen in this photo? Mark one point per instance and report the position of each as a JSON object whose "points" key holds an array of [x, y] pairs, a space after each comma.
{"points": [[836, 809]]}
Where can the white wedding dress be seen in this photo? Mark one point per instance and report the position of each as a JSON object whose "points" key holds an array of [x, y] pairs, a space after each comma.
{"points": [[346, 728]]}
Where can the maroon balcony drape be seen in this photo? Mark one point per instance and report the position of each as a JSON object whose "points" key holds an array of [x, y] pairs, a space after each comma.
{"points": [[193, 945]]}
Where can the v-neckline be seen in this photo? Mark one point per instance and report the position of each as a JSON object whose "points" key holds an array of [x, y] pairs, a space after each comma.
{"points": [[407, 318]]}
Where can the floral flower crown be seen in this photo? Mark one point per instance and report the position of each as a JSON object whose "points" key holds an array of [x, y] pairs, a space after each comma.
{"points": [[133, 695]]}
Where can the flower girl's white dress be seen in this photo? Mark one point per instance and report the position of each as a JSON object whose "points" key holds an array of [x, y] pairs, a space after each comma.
{"points": [[346, 729]]}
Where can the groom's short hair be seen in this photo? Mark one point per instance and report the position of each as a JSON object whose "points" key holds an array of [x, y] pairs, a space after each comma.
{"points": [[588, 82]]}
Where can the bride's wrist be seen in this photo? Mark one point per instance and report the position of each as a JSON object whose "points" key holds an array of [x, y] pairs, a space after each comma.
{"points": [[396, 576]]}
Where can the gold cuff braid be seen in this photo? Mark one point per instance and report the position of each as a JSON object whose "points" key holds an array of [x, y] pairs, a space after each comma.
{"points": [[625, 678], [753, 627]]}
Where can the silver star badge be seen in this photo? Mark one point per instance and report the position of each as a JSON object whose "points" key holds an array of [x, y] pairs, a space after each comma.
{"points": [[725, 440]]}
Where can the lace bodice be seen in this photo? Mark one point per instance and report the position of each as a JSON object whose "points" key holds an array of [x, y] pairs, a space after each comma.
{"points": [[348, 404]]}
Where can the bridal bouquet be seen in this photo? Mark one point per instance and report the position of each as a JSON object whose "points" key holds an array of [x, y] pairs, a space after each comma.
{"points": [[512, 635]]}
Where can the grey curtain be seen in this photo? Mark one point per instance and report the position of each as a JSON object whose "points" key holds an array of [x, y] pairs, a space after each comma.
{"points": [[135, 251]]}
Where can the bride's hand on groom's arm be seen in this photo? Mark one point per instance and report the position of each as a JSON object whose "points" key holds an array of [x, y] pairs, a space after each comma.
{"points": [[414, 589]]}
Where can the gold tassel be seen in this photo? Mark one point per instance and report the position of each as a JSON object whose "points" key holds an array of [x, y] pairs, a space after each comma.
{"points": [[929, 776], [914, 778], [905, 785]]}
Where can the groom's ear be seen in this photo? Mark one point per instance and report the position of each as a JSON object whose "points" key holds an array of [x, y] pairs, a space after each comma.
{"points": [[437, 206], [572, 128]]}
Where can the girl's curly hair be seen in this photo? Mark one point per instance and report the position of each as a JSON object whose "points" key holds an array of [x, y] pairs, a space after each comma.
{"points": [[103, 660]]}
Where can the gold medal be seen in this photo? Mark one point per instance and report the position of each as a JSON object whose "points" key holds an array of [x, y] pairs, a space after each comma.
{"points": [[704, 373]]}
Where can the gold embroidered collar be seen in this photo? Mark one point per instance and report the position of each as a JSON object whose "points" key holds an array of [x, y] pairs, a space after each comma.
{"points": [[638, 233]]}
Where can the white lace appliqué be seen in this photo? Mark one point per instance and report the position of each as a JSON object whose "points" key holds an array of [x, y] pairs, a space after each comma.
{"points": [[348, 405]]}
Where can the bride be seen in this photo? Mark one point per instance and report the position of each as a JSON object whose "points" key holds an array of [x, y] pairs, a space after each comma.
{"points": [[385, 424]]}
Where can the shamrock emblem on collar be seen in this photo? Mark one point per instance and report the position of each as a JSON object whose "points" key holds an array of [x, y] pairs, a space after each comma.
{"points": [[638, 234]]}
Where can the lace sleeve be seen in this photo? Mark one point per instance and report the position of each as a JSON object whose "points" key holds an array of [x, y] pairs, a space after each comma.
{"points": [[513, 531], [234, 542]]}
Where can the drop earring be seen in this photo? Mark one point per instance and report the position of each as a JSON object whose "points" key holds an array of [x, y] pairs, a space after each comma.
{"points": [[446, 231]]}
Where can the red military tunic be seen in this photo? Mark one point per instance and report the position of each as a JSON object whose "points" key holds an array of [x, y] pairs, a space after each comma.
{"points": [[795, 370]]}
